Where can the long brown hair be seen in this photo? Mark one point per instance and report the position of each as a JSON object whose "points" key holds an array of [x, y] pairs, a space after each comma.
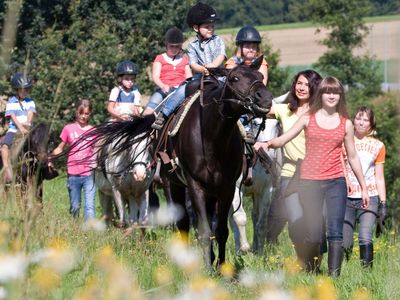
{"points": [[328, 85], [313, 79]]}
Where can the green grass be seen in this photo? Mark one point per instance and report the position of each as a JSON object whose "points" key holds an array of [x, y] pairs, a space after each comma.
{"points": [[137, 258]]}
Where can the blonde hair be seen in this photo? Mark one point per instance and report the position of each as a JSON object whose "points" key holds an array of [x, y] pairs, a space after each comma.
{"points": [[329, 85]]}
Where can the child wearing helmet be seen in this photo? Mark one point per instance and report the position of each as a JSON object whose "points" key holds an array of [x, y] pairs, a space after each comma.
{"points": [[248, 42], [124, 100], [170, 69], [207, 50], [20, 109]]}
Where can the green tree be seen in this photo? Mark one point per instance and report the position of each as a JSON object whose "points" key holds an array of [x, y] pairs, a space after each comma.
{"points": [[72, 49], [344, 21]]}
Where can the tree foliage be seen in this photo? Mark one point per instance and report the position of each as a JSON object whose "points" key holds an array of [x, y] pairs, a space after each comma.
{"points": [[72, 48], [347, 29]]}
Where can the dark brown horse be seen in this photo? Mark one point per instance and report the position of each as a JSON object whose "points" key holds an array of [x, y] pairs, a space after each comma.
{"points": [[209, 147], [29, 159]]}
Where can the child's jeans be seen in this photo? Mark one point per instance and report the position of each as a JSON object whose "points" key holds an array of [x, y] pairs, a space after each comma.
{"points": [[366, 220], [157, 97], [174, 101], [76, 184]]}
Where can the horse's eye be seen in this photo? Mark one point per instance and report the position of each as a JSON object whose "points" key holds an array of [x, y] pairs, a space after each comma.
{"points": [[235, 78]]}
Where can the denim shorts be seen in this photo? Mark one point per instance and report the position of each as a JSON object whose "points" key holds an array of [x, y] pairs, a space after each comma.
{"points": [[8, 138]]}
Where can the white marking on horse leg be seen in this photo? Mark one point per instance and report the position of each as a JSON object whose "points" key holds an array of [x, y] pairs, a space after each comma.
{"points": [[119, 204]]}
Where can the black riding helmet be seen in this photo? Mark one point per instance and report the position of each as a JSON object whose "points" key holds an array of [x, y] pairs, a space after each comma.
{"points": [[201, 13], [21, 81], [127, 67], [248, 34], [174, 36]]}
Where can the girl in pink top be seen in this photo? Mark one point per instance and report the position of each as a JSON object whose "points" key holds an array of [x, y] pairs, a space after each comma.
{"points": [[322, 183], [170, 69], [79, 162]]}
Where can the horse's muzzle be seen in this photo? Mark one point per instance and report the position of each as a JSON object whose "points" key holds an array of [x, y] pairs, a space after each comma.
{"points": [[261, 110]]}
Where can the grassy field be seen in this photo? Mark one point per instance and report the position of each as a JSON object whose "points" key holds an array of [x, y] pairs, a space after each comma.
{"points": [[44, 254]]}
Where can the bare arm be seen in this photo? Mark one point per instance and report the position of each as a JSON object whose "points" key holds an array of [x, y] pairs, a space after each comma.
{"points": [[264, 71], [216, 62], [355, 161], [155, 74], [111, 109], [280, 141], [58, 149], [196, 68], [30, 116], [188, 72], [380, 182], [18, 124]]}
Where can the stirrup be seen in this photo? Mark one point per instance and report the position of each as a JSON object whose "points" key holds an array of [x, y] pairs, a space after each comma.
{"points": [[159, 122], [250, 138]]}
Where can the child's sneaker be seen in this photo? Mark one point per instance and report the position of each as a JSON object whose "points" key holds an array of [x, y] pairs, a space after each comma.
{"points": [[159, 122]]}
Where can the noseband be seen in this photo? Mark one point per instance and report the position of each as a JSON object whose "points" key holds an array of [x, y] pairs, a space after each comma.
{"points": [[245, 99]]}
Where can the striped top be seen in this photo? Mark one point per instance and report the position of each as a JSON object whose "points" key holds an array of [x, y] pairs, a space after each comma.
{"points": [[20, 109], [323, 151]]}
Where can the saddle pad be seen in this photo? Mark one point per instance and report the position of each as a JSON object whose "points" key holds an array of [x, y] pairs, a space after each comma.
{"points": [[180, 115]]}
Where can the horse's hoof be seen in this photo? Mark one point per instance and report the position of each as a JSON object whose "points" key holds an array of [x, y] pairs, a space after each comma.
{"points": [[248, 181], [245, 249], [119, 224]]}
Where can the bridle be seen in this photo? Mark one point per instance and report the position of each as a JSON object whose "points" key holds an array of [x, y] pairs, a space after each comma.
{"points": [[245, 99]]}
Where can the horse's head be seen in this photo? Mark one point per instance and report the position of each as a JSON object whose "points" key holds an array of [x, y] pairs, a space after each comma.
{"points": [[245, 88], [140, 158], [36, 143]]}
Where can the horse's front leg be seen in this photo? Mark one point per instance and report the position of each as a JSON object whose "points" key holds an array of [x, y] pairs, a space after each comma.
{"points": [[238, 220], [119, 203], [178, 194], [106, 206], [222, 232], [198, 197]]}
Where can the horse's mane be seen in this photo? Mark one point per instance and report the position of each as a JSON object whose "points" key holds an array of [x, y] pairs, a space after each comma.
{"points": [[37, 136], [121, 134]]}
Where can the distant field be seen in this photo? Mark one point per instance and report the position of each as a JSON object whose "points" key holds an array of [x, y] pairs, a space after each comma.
{"points": [[299, 44]]}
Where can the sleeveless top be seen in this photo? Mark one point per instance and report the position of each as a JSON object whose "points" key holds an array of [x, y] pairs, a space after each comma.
{"points": [[172, 71], [323, 151]]}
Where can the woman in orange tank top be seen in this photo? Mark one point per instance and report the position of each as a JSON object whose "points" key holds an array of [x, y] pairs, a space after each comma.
{"points": [[322, 183]]}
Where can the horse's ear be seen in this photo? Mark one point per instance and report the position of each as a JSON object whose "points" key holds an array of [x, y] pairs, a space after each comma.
{"points": [[219, 72], [256, 64]]}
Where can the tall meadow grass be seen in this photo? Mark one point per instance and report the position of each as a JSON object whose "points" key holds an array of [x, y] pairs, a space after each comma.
{"points": [[45, 254]]}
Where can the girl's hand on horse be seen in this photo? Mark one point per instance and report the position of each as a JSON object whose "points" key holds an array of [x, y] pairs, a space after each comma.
{"points": [[259, 145]]}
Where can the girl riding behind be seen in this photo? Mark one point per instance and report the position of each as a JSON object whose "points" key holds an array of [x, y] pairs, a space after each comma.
{"points": [[124, 100], [207, 50], [170, 69]]}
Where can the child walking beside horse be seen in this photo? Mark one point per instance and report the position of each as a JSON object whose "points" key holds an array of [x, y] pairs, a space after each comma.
{"points": [[322, 182]]}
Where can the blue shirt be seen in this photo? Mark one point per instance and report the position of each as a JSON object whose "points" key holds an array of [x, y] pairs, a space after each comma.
{"points": [[206, 51], [20, 109]]}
